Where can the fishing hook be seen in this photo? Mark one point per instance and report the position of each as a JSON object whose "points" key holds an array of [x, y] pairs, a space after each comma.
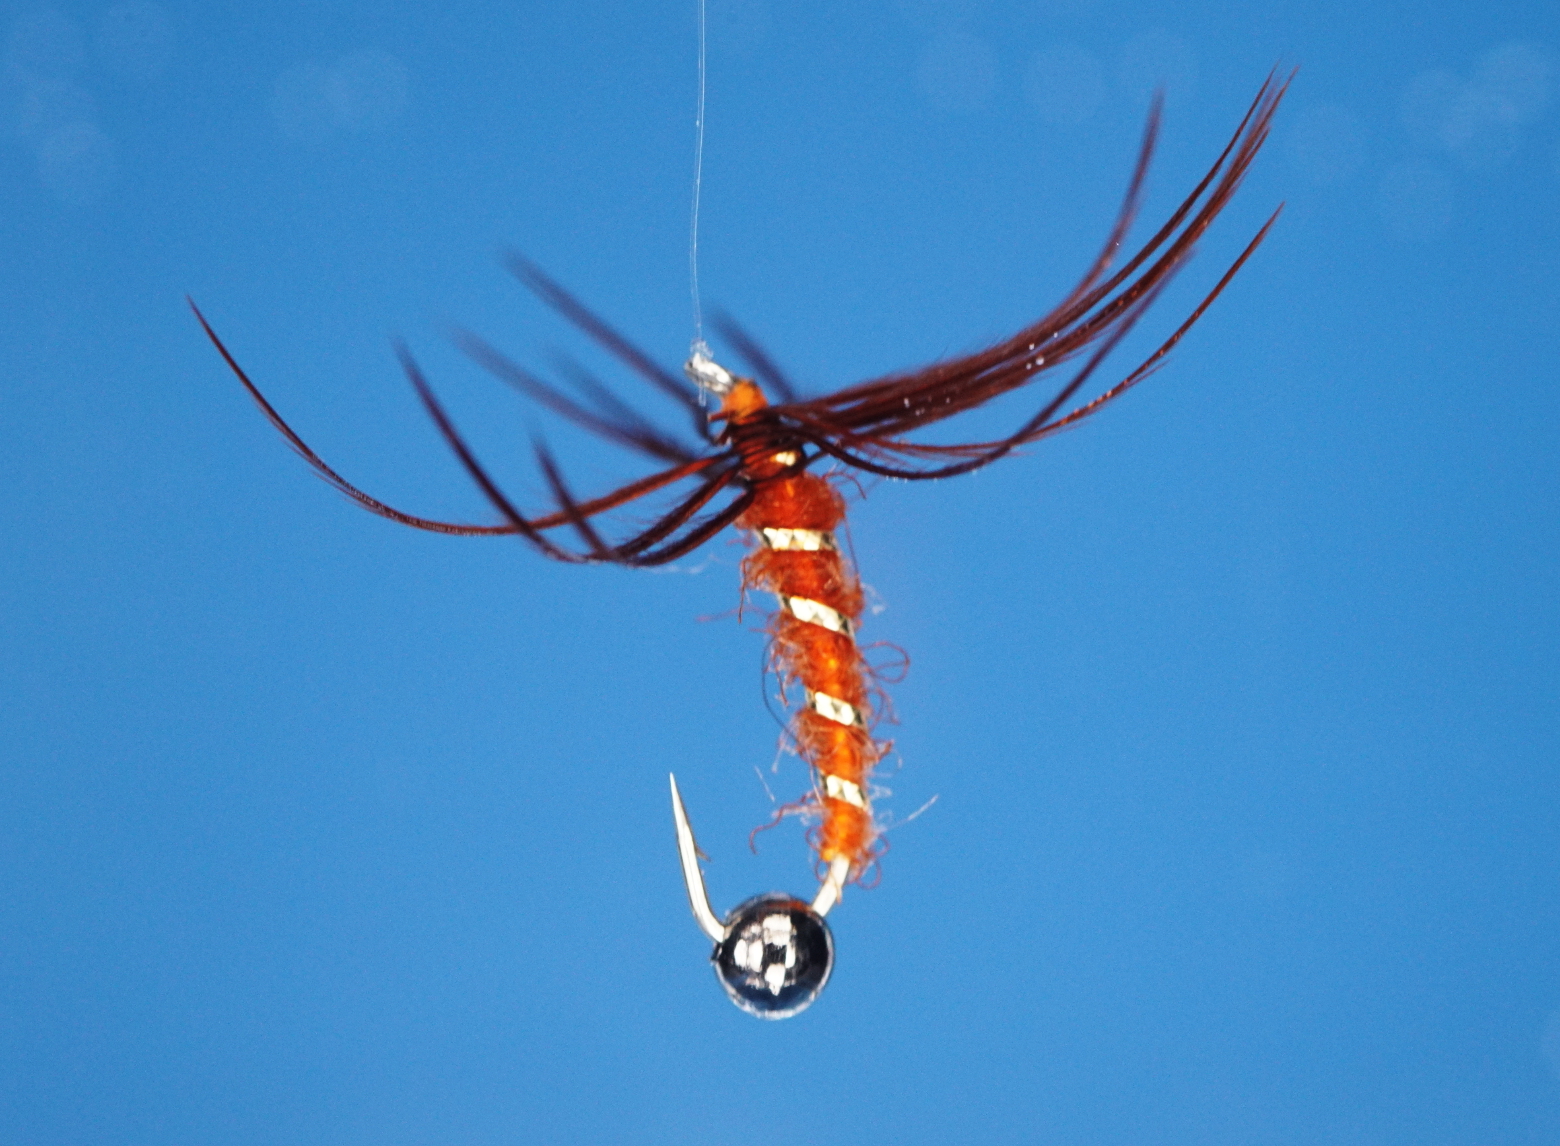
{"points": [[774, 953]]}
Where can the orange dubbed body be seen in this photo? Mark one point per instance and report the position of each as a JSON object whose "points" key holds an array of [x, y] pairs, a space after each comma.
{"points": [[792, 522]]}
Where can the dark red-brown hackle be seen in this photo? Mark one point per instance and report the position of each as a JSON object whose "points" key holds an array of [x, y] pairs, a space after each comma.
{"points": [[748, 465]]}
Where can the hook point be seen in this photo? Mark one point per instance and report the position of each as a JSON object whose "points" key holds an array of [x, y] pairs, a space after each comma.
{"points": [[693, 878]]}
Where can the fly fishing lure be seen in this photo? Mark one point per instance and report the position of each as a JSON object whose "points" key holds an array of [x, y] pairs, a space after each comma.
{"points": [[751, 468]]}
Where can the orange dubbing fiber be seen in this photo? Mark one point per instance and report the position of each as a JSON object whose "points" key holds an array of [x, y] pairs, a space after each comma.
{"points": [[821, 660], [801, 502]]}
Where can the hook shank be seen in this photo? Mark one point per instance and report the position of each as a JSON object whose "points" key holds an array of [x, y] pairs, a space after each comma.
{"points": [[833, 886]]}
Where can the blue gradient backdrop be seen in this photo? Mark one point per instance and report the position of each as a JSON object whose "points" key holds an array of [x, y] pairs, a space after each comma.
{"points": [[1240, 702]]}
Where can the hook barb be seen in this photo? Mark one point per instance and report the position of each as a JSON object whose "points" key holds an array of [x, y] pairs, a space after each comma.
{"points": [[693, 878]]}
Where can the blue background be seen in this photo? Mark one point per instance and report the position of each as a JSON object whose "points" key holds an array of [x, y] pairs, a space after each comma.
{"points": [[1240, 702]]}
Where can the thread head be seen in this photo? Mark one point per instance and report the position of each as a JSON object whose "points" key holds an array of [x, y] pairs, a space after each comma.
{"points": [[776, 956]]}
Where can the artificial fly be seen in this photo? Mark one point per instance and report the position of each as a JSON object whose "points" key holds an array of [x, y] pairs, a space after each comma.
{"points": [[750, 467]]}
